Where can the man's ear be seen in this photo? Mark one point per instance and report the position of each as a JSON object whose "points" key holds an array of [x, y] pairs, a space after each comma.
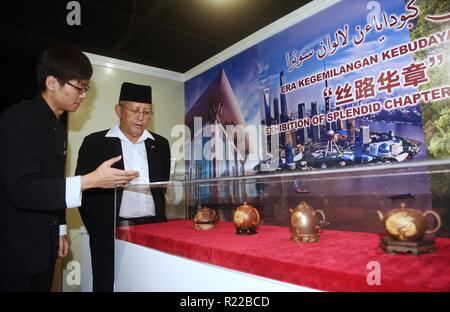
{"points": [[51, 83], [118, 110]]}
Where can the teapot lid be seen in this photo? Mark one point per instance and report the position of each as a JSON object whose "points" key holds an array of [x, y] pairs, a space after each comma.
{"points": [[303, 205], [245, 205], [402, 206], [205, 215]]}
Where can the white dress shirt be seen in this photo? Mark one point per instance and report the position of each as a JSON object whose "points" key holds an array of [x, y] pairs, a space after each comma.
{"points": [[135, 203], [73, 198]]}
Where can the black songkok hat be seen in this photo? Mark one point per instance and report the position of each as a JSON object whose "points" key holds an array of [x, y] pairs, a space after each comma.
{"points": [[135, 93]]}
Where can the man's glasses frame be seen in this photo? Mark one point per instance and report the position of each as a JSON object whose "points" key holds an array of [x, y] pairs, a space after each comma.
{"points": [[81, 90], [135, 112]]}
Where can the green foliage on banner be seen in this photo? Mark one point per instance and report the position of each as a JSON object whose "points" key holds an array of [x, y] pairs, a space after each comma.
{"points": [[424, 28], [435, 116], [439, 144]]}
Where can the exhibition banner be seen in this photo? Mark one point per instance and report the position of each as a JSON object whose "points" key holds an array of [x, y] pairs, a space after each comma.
{"points": [[358, 83]]}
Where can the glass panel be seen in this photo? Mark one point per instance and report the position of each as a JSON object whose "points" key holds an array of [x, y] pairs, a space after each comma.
{"points": [[351, 198]]}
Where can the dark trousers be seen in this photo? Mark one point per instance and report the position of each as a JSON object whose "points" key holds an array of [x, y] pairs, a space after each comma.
{"points": [[41, 282], [102, 253], [102, 259]]}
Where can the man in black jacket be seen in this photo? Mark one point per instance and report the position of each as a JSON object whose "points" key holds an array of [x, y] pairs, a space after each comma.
{"points": [[33, 191], [143, 151]]}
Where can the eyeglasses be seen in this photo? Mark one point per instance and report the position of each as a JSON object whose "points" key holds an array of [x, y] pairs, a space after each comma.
{"points": [[80, 89], [135, 112]]}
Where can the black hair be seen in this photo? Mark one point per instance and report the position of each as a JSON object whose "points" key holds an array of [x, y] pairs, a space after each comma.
{"points": [[64, 63]]}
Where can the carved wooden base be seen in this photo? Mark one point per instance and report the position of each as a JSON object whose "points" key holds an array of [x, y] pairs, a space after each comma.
{"points": [[246, 231], [204, 226], [416, 248], [305, 238]]}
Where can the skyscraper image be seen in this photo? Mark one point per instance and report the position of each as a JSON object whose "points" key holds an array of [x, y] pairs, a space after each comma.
{"points": [[315, 130], [266, 98], [284, 112], [351, 131], [276, 110], [302, 134], [364, 132]]}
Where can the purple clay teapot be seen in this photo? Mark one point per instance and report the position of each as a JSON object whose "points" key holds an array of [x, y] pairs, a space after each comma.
{"points": [[304, 225], [407, 224], [246, 219], [205, 219]]}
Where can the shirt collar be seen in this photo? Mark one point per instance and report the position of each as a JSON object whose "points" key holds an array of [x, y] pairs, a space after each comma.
{"points": [[115, 132], [45, 110]]}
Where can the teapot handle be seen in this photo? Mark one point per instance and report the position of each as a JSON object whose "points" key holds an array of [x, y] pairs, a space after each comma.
{"points": [[438, 220], [323, 218], [216, 216], [257, 217]]}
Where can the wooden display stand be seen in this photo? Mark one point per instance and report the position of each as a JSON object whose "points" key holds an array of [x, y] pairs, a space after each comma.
{"points": [[246, 231], [416, 248]]}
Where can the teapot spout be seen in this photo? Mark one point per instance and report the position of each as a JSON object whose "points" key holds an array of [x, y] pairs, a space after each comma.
{"points": [[380, 215]]}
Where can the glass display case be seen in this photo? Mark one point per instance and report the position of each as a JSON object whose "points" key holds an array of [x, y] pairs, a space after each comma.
{"points": [[152, 254]]}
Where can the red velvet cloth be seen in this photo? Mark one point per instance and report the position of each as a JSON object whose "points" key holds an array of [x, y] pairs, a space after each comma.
{"points": [[337, 263]]}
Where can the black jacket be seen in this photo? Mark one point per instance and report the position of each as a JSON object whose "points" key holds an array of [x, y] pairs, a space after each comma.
{"points": [[98, 204], [32, 186]]}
